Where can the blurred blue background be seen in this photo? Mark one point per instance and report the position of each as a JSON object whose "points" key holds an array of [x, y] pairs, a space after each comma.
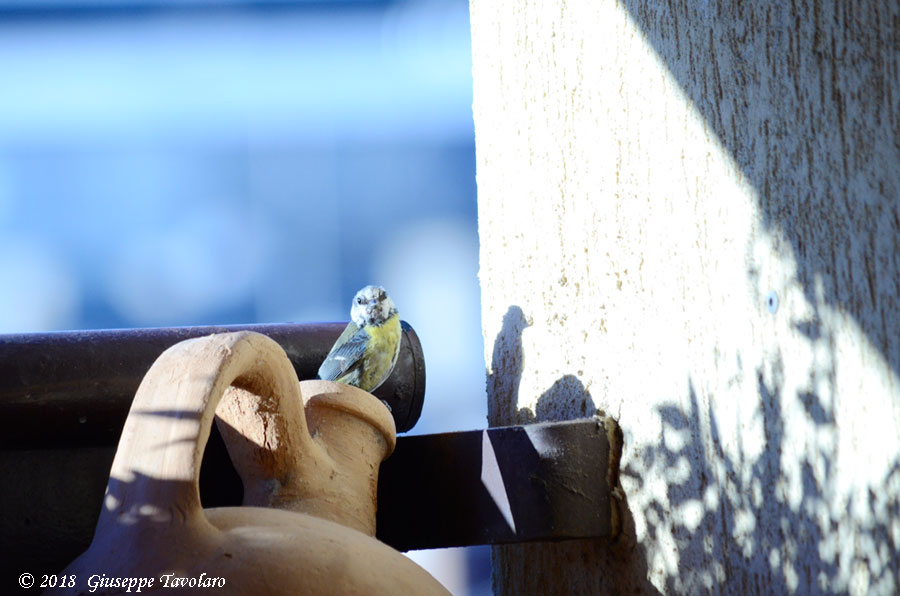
{"points": [[200, 162]]}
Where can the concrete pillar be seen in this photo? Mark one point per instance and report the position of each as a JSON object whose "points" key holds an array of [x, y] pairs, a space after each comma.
{"points": [[689, 215]]}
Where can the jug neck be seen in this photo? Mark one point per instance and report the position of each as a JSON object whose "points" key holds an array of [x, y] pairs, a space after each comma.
{"points": [[337, 477], [357, 432]]}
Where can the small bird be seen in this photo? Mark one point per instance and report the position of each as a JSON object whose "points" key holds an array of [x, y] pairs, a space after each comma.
{"points": [[366, 352]]}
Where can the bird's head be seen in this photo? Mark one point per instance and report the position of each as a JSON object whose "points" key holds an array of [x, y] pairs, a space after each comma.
{"points": [[372, 306]]}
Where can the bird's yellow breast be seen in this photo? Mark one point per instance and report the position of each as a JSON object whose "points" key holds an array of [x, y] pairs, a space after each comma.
{"points": [[381, 352]]}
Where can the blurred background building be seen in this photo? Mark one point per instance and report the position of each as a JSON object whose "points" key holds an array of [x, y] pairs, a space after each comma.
{"points": [[214, 162]]}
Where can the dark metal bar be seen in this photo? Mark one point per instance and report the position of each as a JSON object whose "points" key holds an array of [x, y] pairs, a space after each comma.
{"points": [[74, 388], [546, 481]]}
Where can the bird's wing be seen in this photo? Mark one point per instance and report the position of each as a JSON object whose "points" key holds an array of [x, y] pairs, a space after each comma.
{"points": [[345, 355]]}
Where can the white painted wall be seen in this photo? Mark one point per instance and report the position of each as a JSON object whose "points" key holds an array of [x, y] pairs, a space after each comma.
{"points": [[649, 174]]}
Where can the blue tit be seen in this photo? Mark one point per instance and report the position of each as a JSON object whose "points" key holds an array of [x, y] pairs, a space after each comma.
{"points": [[366, 352]]}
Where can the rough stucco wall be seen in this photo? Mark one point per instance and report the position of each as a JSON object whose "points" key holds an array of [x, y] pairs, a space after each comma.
{"points": [[648, 174]]}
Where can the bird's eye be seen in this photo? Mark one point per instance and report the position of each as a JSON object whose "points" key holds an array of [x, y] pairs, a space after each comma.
{"points": [[359, 300]]}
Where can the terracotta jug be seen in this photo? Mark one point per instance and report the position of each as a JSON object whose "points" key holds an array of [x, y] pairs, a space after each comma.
{"points": [[310, 476]]}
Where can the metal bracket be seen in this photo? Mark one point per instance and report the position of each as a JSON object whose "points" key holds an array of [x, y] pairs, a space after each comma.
{"points": [[549, 481]]}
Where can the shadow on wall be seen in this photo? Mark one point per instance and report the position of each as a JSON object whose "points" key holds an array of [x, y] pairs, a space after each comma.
{"points": [[593, 560], [807, 106], [757, 533], [508, 359], [566, 399], [804, 100]]}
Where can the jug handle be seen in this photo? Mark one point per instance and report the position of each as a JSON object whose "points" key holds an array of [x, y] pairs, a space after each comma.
{"points": [[154, 477]]}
